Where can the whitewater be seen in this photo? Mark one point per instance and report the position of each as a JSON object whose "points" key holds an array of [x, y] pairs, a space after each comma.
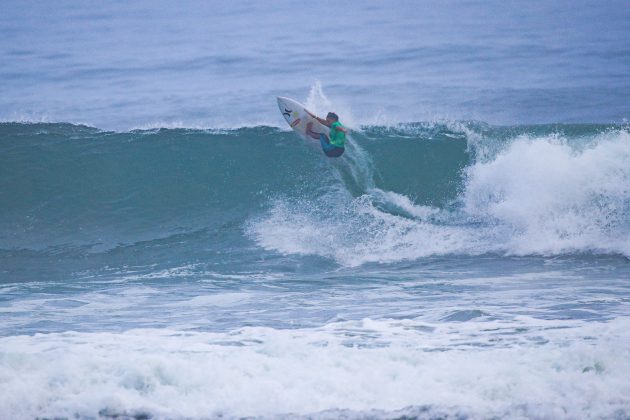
{"points": [[171, 249]]}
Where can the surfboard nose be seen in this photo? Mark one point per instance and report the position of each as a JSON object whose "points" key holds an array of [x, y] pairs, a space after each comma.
{"points": [[282, 102]]}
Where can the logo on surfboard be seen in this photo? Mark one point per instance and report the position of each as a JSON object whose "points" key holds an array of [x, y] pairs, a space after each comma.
{"points": [[287, 113]]}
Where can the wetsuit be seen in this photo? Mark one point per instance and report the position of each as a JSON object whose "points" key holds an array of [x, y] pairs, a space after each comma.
{"points": [[333, 146]]}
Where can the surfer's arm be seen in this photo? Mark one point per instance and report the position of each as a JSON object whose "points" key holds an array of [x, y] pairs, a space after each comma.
{"points": [[321, 120]]}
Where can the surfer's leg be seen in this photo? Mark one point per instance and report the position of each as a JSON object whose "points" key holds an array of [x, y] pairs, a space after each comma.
{"points": [[323, 140], [310, 132]]}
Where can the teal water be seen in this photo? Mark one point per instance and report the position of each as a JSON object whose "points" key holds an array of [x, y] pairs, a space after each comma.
{"points": [[141, 264]]}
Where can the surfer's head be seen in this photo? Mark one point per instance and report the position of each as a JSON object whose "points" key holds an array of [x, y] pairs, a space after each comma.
{"points": [[332, 116]]}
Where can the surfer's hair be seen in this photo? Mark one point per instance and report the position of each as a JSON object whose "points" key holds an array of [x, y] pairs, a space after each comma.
{"points": [[333, 116]]}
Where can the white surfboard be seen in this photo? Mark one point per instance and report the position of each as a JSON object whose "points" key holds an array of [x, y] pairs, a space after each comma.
{"points": [[297, 117]]}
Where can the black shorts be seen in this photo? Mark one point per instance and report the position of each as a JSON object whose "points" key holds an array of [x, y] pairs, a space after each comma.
{"points": [[329, 149]]}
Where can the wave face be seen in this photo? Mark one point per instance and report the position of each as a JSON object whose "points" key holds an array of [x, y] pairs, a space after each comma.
{"points": [[175, 273], [400, 193]]}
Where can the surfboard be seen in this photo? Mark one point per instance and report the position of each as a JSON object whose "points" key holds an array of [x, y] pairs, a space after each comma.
{"points": [[296, 116]]}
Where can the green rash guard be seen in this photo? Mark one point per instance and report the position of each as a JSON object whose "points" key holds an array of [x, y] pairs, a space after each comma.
{"points": [[337, 138]]}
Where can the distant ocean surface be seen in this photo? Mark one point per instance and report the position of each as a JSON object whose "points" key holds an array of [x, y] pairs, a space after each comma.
{"points": [[170, 249]]}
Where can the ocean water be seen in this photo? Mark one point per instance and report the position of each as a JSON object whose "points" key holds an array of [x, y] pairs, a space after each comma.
{"points": [[170, 249]]}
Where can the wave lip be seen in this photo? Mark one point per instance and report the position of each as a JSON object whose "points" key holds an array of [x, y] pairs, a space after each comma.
{"points": [[555, 198]]}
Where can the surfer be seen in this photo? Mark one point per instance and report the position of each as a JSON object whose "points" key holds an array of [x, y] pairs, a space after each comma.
{"points": [[333, 144]]}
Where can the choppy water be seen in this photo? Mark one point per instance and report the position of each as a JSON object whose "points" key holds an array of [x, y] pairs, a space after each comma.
{"points": [[122, 65], [185, 255]]}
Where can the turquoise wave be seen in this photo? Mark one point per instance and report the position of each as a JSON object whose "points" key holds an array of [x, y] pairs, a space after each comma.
{"points": [[78, 187]]}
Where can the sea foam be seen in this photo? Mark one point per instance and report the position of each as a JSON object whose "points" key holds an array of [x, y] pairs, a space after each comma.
{"points": [[543, 369], [529, 196]]}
